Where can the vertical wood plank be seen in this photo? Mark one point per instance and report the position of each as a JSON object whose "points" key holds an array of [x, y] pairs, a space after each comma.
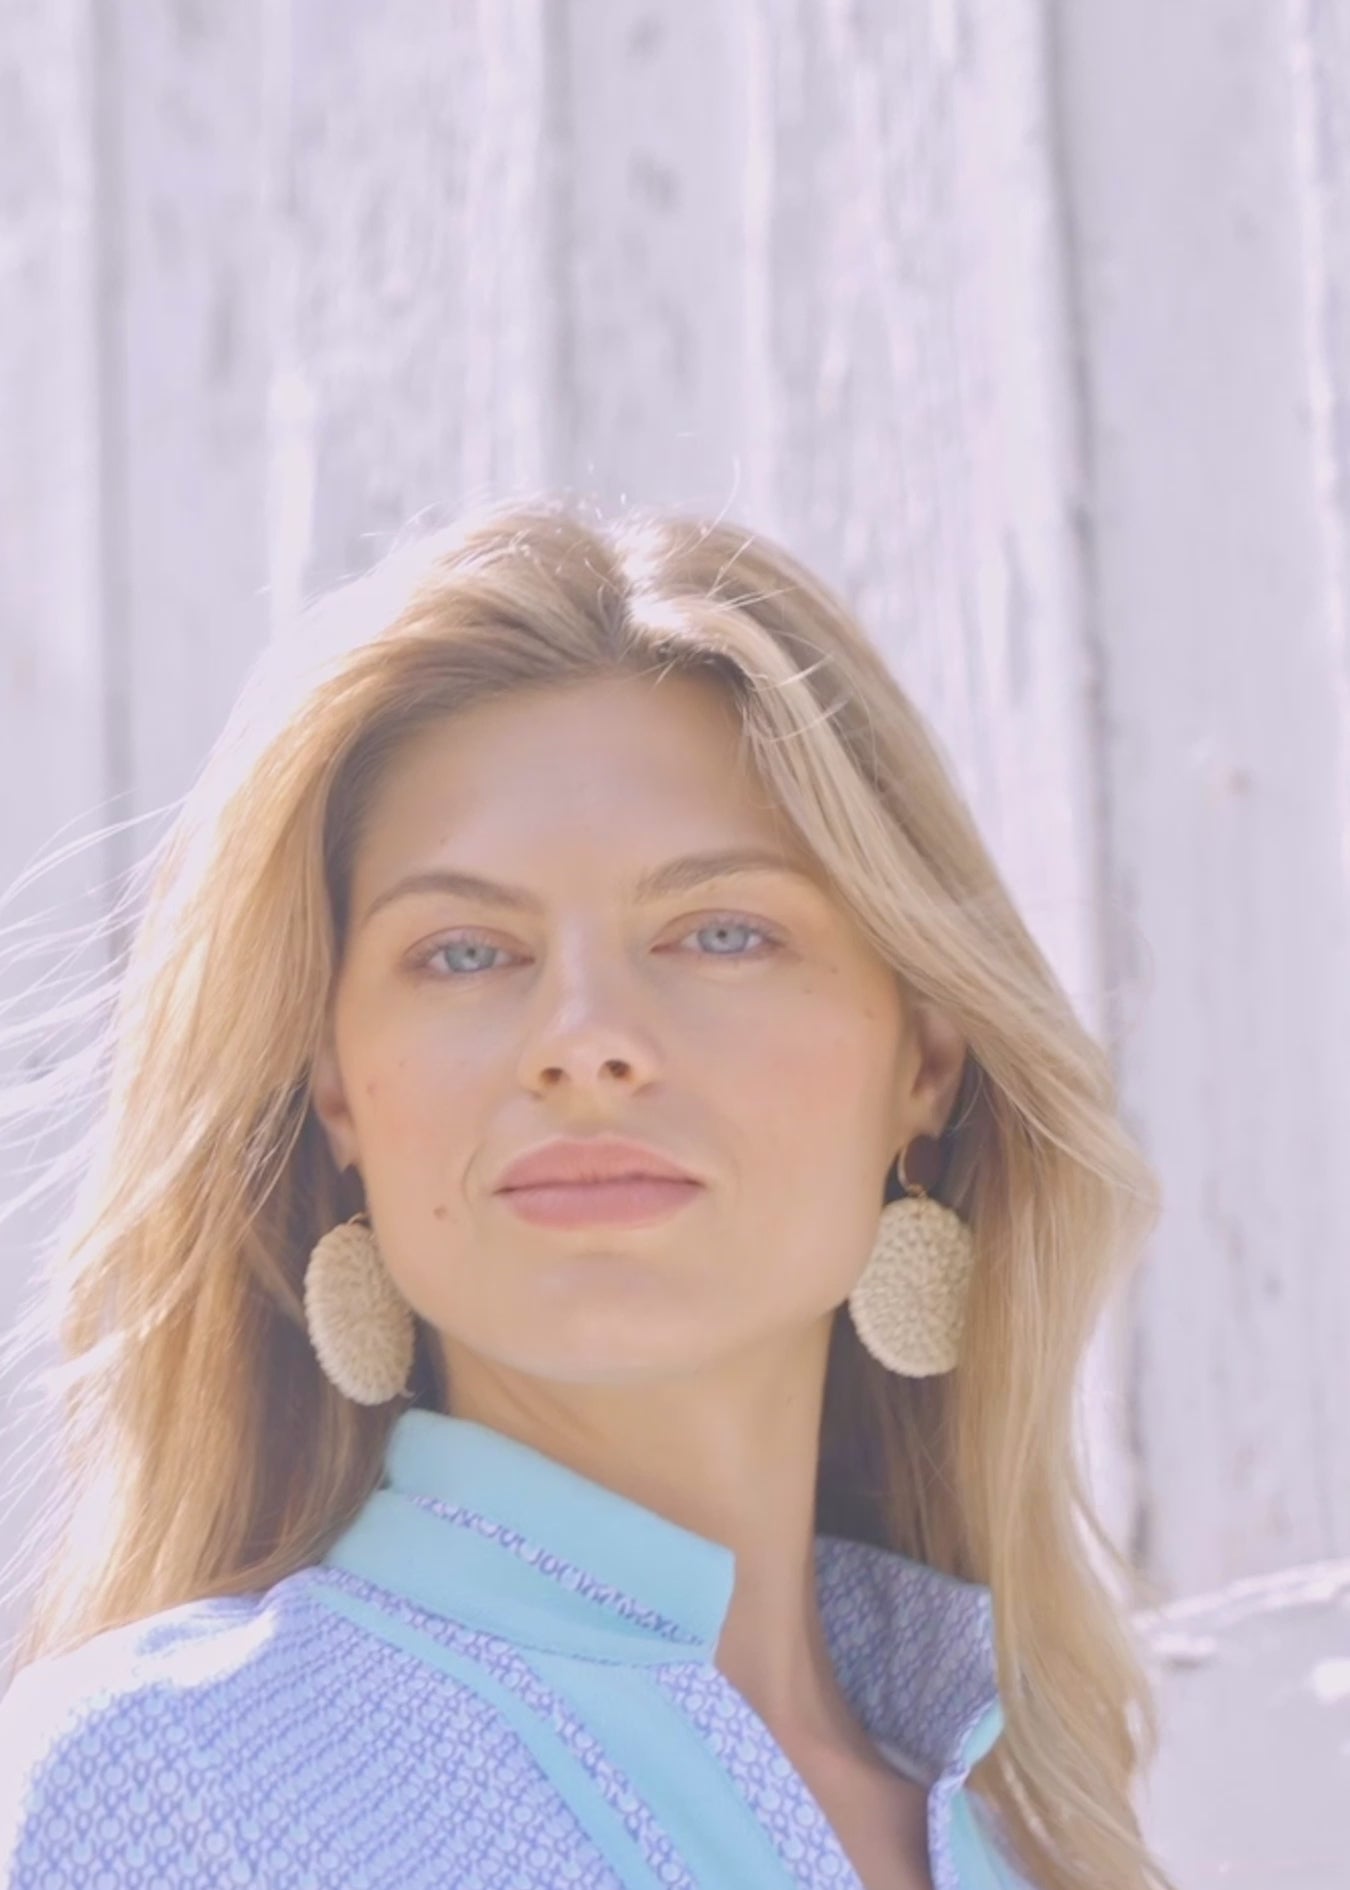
{"points": [[52, 737], [1319, 60], [51, 758], [188, 350], [1225, 735], [657, 254], [418, 343]]}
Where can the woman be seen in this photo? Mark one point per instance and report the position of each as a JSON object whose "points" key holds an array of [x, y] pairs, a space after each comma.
{"points": [[574, 1308]]}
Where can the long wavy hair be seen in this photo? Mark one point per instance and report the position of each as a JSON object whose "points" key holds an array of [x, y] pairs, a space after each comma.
{"points": [[202, 1452]]}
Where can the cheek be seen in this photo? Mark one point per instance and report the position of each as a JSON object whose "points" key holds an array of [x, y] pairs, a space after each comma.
{"points": [[420, 1116], [815, 1116], [819, 1073], [413, 1098]]}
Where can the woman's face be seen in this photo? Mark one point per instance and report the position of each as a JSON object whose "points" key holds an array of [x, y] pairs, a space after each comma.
{"points": [[741, 1026]]}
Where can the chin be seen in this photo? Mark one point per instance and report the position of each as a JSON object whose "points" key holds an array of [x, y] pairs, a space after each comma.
{"points": [[599, 1344]]}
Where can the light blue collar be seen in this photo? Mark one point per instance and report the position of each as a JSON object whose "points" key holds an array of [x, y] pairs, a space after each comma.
{"points": [[473, 1525]]}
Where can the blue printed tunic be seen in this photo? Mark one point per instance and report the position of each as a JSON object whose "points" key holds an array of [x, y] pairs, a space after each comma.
{"points": [[500, 1677]]}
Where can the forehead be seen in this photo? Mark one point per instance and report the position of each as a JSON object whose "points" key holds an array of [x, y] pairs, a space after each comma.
{"points": [[636, 765]]}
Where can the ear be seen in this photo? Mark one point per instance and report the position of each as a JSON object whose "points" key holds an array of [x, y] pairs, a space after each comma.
{"points": [[329, 1100], [938, 1072]]}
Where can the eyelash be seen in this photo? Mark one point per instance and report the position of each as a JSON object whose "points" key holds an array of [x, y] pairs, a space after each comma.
{"points": [[422, 960]]}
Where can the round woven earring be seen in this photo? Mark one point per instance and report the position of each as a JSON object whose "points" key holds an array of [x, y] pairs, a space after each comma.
{"points": [[909, 1303], [359, 1324]]}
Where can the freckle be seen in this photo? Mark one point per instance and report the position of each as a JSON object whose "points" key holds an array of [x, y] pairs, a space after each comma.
{"points": [[371, 1088], [440, 1212]]}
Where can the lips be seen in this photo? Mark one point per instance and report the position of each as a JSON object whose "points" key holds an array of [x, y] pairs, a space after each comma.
{"points": [[643, 1198], [576, 1161]]}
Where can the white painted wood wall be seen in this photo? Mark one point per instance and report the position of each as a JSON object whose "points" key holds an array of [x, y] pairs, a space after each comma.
{"points": [[1027, 321]]}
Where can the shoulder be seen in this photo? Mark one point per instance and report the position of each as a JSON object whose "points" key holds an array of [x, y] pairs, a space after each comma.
{"points": [[111, 1754]]}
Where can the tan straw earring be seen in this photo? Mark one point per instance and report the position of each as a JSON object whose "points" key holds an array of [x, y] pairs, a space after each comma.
{"points": [[360, 1326], [909, 1304]]}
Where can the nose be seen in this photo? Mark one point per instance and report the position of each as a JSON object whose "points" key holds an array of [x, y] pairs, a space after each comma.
{"points": [[554, 1073], [590, 1032]]}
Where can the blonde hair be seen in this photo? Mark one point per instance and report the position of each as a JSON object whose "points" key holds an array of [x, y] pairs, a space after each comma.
{"points": [[174, 1285]]}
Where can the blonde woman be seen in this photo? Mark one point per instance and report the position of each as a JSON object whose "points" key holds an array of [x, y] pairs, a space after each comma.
{"points": [[572, 1313]]}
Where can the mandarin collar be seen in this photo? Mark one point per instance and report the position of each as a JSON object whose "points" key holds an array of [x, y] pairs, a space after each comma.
{"points": [[476, 1526]]}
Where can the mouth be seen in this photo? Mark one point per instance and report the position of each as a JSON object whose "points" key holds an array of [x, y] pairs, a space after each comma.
{"points": [[619, 1201]]}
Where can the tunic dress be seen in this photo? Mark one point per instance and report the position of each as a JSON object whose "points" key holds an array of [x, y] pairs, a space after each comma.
{"points": [[500, 1677]]}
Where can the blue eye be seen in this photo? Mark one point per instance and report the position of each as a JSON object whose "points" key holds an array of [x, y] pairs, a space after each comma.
{"points": [[728, 923], [720, 922], [467, 942]]}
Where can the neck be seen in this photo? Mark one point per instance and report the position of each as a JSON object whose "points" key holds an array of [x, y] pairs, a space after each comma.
{"points": [[731, 1455]]}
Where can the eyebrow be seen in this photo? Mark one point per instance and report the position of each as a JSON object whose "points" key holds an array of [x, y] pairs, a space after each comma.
{"points": [[659, 882]]}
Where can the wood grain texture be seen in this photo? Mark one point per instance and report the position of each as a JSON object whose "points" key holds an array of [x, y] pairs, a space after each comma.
{"points": [[1319, 61], [55, 789], [422, 304], [1224, 740], [656, 254], [187, 365], [52, 679]]}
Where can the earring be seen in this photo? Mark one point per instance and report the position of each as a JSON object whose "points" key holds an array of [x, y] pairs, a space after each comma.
{"points": [[360, 1326], [909, 1304]]}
